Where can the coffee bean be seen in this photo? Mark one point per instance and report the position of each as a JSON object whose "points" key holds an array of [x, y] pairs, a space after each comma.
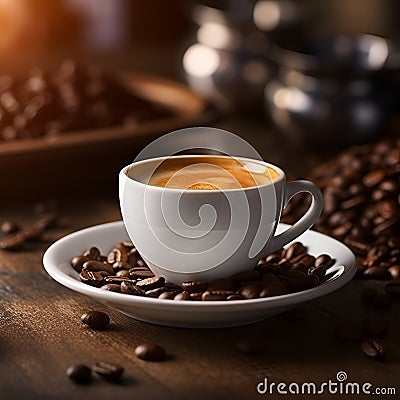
{"points": [[249, 291], [293, 250], [182, 296], [275, 288], [97, 266], [155, 292], [216, 295], [118, 266], [116, 255], [373, 178], [358, 246], [305, 263], [13, 242], [96, 319], [79, 373], [353, 202], [9, 227], [151, 283], [196, 296], [235, 297], [141, 273], [123, 273], [108, 371], [91, 278], [111, 287], [394, 242], [194, 286], [78, 261], [128, 287], [373, 348], [150, 352], [115, 279], [167, 295], [323, 260], [393, 288], [93, 253]]}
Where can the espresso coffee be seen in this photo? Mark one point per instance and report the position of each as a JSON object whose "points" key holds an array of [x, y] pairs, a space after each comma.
{"points": [[210, 173]]}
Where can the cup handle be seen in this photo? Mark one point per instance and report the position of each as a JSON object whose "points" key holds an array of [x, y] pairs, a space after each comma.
{"points": [[306, 221]]}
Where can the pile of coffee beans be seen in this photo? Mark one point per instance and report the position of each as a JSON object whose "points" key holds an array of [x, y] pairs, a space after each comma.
{"points": [[68, 97], [361, 190], [122, 270], [15, 236], [81, 373]]}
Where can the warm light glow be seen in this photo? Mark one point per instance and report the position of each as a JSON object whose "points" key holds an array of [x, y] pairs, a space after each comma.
{"points": [[266, 15], [200, 60], [218, 36], [292, 99], [12, 21], [377, 50]]}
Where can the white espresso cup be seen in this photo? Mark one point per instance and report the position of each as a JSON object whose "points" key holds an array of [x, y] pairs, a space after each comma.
{"points": [[208, 234]]}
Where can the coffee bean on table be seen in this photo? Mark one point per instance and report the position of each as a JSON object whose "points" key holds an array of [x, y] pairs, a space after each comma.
{"points": [[373, 348], [150, 352], [108, 371], [13, 242], [31, 232], [79, 373], [96, 319]]}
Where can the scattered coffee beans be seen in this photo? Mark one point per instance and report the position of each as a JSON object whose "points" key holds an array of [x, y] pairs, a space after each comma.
{"points": [[96, 319], [79, 373], [123, 270], [150, 352], [18, 236], [362, 206]]}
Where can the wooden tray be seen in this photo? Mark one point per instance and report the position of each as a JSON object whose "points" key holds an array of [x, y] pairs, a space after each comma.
{"points": [[53, 166]]}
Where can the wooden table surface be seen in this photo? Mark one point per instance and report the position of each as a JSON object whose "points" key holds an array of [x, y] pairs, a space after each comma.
{"points": [[41, 333]]}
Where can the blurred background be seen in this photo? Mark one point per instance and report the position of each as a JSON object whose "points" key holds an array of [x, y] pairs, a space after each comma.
{"points": [[301, 80]]}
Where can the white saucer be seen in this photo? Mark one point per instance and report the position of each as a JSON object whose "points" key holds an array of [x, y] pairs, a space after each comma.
{"points": [[191, 314]]}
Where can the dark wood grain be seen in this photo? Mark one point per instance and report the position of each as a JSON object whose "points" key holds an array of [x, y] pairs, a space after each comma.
{"points": [[41, 334]]}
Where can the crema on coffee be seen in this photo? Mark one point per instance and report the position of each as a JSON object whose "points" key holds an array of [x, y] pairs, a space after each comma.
{"points": [[210, 173]]}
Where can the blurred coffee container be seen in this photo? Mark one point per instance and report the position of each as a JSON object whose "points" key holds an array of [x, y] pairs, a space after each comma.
{"points": [[332, 91], [226, 61]]}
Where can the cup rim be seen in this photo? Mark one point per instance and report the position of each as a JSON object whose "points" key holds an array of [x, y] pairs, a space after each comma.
{"points": [[281, 174]]}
